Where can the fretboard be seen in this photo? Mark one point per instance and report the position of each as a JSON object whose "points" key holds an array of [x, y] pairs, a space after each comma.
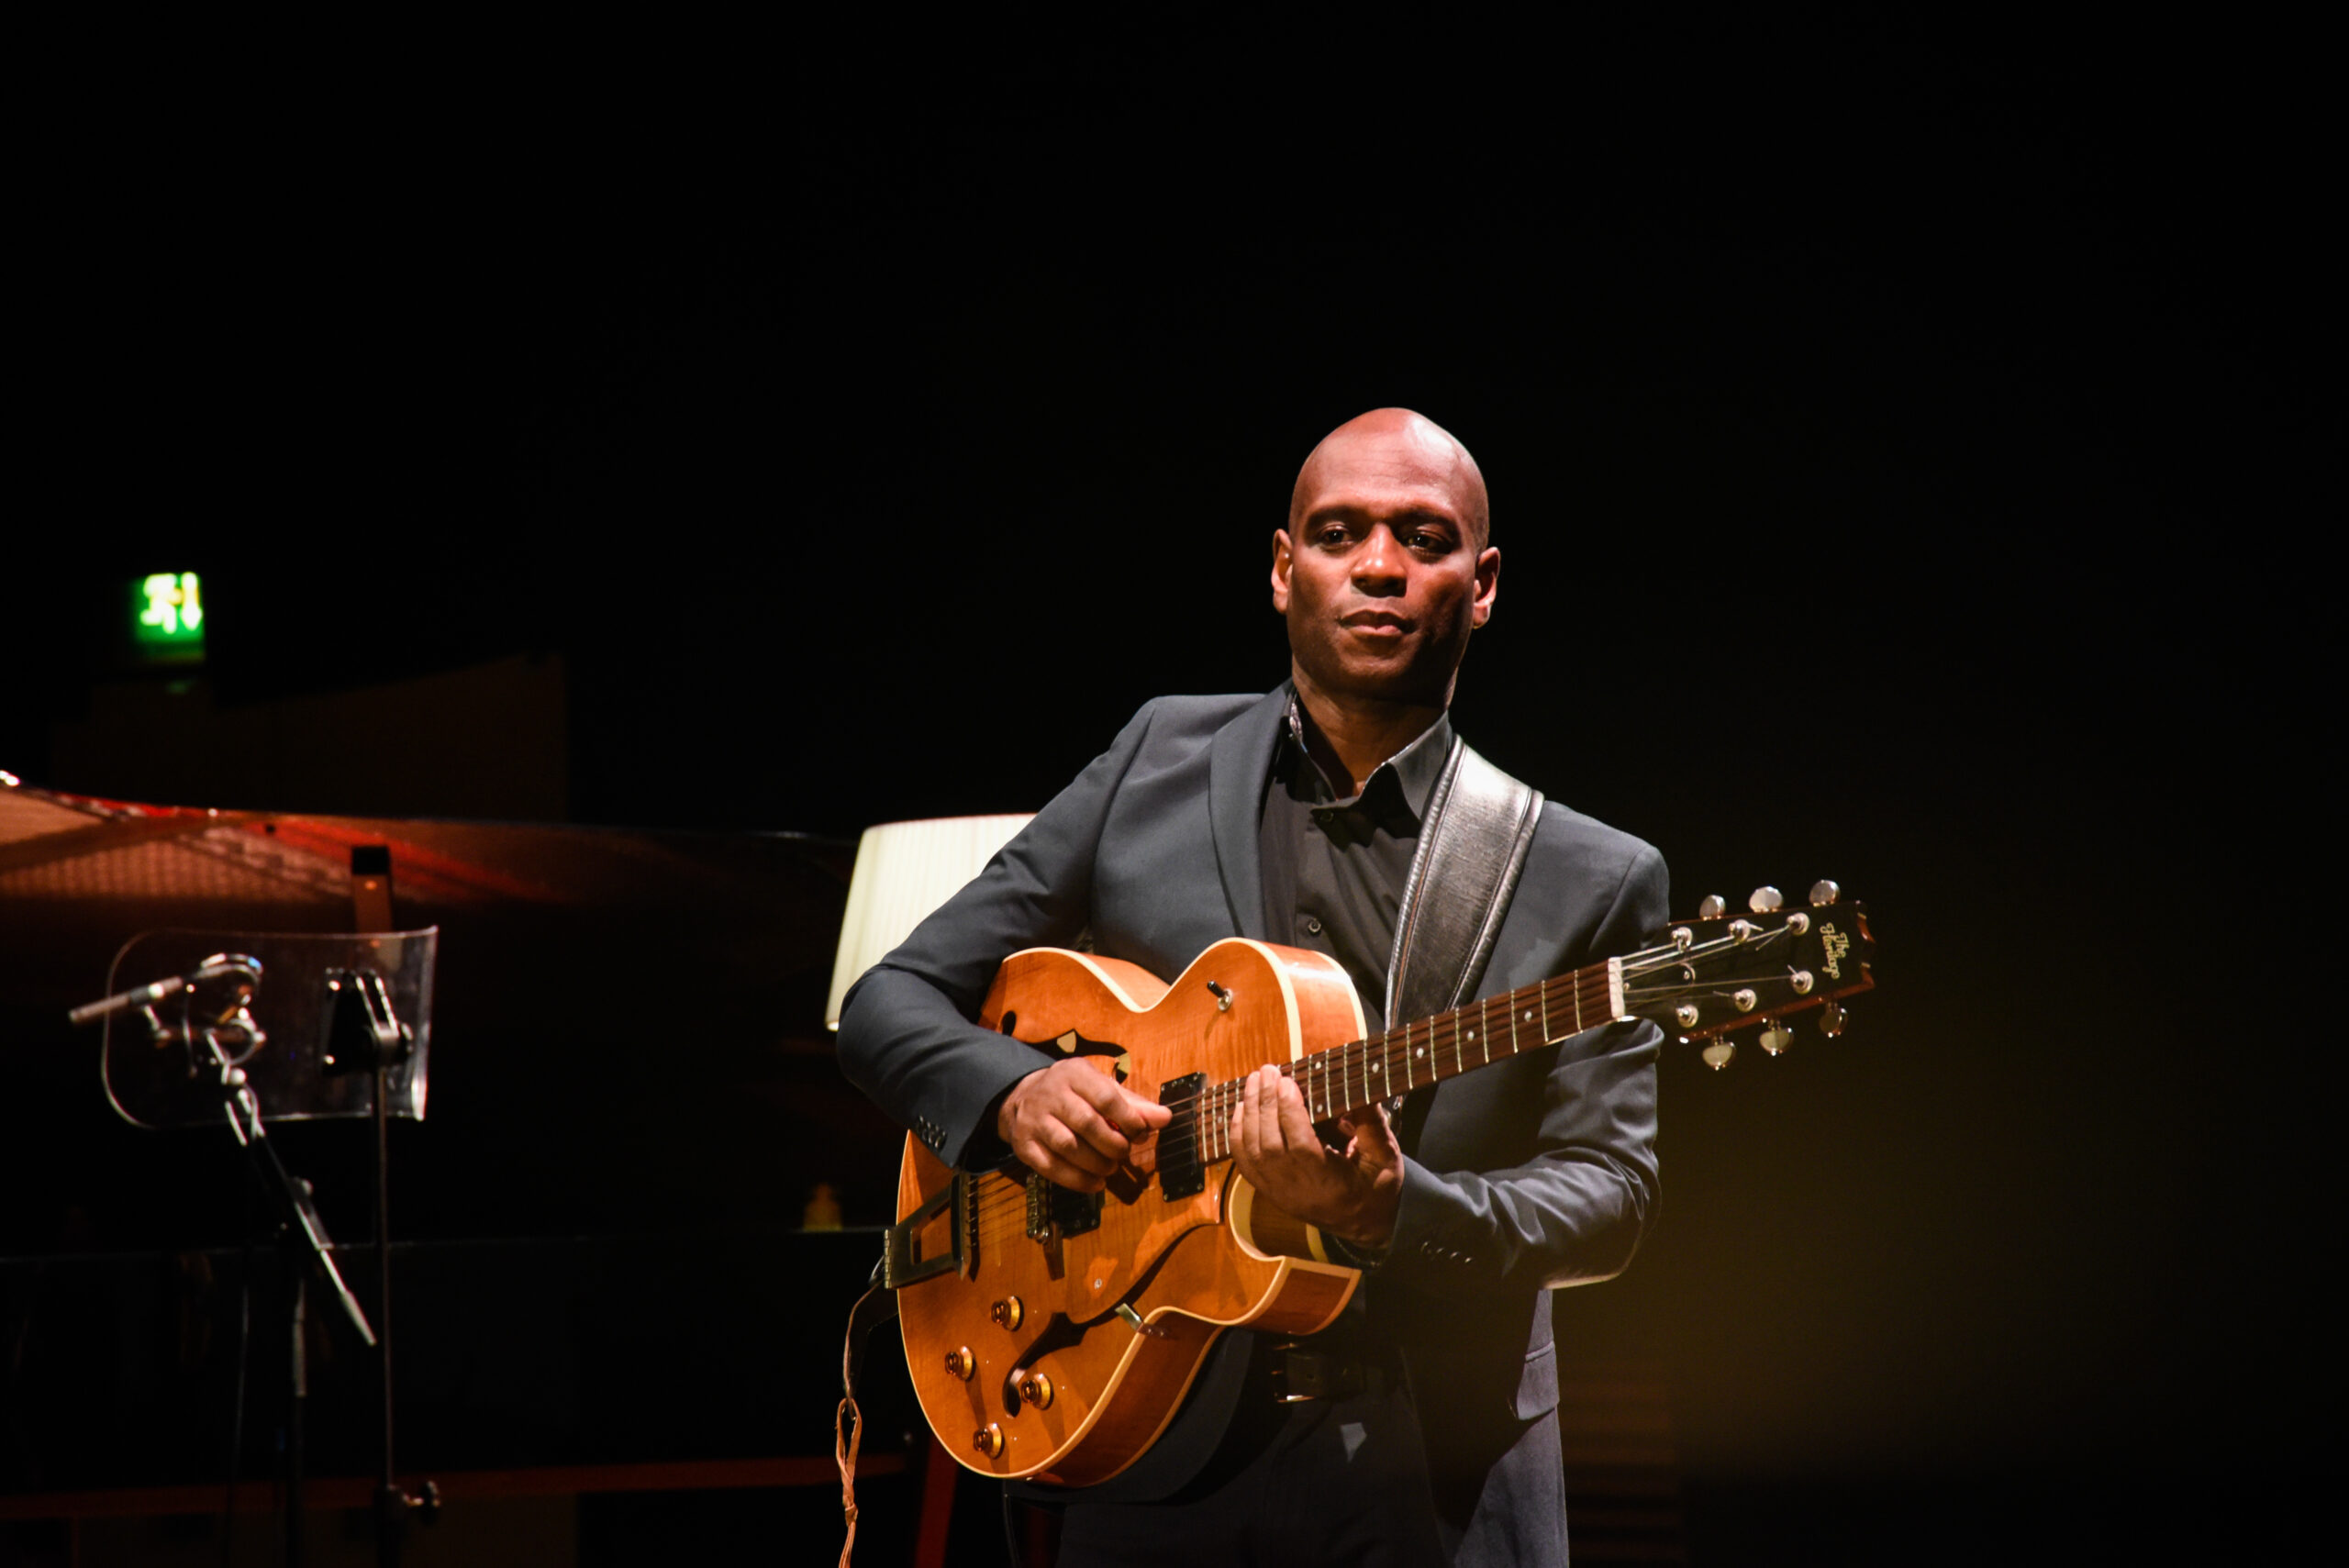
{"points": [[1364, 1072]]}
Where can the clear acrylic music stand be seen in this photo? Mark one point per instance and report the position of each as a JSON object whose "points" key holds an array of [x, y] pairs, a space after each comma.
{"points": [[292, 1072]]}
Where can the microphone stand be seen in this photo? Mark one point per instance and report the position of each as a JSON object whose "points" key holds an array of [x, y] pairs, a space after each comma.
{"points": [[218, 1041]]}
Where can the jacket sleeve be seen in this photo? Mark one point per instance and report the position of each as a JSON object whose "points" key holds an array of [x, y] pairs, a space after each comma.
{"points": [[906, 1036], [1574, 1209]]}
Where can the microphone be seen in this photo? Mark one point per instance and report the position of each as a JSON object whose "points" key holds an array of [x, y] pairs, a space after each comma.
{"points": [[213, 968]]}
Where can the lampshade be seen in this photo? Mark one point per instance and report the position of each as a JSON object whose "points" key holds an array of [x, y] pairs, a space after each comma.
{"points": [[904, 870]]}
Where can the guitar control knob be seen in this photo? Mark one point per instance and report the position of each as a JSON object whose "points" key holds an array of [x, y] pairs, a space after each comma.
{"points": [[1037, 1389], [1008, 1312], [1832, 1020], [989, 1441], [1823, 892], [1777, 1037], [1712, 907], [1717, 1054], [1763, 900], [961, 1364]]}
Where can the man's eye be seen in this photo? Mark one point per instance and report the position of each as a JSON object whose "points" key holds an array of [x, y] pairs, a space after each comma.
{"points": [[1434, 544]]}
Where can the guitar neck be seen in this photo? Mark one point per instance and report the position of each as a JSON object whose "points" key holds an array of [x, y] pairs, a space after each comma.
{"points": [[1366, 1072]]}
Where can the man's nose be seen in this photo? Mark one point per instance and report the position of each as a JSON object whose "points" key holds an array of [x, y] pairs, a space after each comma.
{"points": [[1378, 564]]}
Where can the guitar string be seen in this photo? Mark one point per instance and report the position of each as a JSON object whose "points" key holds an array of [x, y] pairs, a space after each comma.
{"points": [[1452, 1031], [1357, 1060], [1448, 1032]]}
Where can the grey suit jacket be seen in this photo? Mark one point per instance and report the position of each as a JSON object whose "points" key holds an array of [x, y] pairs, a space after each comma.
{"points": [[1530, 1174]]}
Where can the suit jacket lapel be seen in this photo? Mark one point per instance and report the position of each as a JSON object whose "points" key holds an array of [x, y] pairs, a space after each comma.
{"points": [[1239, 760]]}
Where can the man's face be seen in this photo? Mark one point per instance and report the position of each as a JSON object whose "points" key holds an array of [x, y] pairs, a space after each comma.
{"points": [[1378, 572]]}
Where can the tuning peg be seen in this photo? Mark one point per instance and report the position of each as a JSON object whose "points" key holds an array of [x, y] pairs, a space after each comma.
{"points": [[1717, 1054], [1763, 900], [1777, 1037], [1832, 1020], [1823, 892], [1712, 908]]}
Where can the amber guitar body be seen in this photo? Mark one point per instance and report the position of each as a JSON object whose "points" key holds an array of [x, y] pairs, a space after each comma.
{"points": [[1050, 1334], [1060, 1342]]}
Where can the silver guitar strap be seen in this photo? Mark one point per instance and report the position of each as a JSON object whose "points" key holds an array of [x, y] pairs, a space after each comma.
{"points": [[1473, 839]]}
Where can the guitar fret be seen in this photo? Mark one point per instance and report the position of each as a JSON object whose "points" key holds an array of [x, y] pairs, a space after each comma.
{"points": [[1366, 1072]]}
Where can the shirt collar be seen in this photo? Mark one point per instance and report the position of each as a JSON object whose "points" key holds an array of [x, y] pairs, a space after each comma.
{"points": [[1415, 768]]}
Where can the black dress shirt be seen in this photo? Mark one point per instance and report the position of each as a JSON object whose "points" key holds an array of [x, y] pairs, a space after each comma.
{"points": [[1335, 870]]}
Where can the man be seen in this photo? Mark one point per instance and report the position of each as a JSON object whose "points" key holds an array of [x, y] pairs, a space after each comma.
{"points": [[1293, 817]]}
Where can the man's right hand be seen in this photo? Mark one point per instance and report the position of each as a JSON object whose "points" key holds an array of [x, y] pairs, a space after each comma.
{"points": [[1075, 1124]]}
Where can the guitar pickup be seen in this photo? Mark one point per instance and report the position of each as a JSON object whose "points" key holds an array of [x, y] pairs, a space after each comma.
{"points": [[1180, 1174], [1055, 1211]]}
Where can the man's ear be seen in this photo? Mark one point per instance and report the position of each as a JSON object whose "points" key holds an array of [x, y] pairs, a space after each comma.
{"points": [[1280, 570], [1488, 585]]}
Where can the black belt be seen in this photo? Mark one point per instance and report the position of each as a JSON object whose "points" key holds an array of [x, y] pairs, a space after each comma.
{"points": [[1299, 1373]]}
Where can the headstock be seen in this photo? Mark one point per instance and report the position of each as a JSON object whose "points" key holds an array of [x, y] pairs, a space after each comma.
{"points": [[1720, 972]]}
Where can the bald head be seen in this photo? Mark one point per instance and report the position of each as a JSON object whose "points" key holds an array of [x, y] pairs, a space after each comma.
{"points": [[1404, 443]]}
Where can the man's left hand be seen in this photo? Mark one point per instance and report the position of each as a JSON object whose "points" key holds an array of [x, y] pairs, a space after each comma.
{"points": [[1351, 1192]]}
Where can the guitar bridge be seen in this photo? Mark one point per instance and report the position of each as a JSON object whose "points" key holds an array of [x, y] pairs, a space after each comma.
{"points": [[902, 1262]]}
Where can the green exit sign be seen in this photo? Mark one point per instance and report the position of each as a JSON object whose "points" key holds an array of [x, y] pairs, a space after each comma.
{"points": [[167, 618]]}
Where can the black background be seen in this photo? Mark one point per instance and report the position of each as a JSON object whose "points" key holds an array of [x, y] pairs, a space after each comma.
{"points": [[1907, 443]]}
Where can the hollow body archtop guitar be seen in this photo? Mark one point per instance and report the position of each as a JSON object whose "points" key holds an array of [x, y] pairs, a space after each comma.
{"points": [[1052, 1334]]}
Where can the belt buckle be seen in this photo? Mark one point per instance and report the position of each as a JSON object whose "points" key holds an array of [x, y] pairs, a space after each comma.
{"points": [[1298, 1375]]}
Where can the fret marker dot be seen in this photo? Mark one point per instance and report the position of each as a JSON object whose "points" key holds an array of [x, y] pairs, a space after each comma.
{"points": [[1421, 1052]]}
